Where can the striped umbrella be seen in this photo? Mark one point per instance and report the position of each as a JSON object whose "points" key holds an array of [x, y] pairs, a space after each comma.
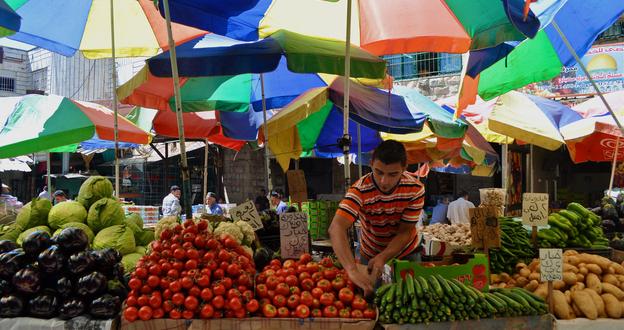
{"points": [[9, 20]]}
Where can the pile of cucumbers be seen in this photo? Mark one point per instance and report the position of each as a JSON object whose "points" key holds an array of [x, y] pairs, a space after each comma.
{"points": [[432, 298], [575, 226], [515, 247]]}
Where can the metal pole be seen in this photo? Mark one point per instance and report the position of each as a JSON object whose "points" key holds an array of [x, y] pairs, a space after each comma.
{"points": [[186, 178], [205, 169], [359, 156], [591, 80], [345, 107], [114, 76], [531, 167], [505, 166], [615, 157], [49, 178], [265, 130]]}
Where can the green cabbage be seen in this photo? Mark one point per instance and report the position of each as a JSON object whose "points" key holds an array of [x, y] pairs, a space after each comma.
{"points": [[25, 234], [136, 219], [145, 237], [129, 261], [135, 229], [78, 225], [66, 212], [11, 233], [140, 250], [105, 213], [118, 237], [94, 189], [34, 213]]}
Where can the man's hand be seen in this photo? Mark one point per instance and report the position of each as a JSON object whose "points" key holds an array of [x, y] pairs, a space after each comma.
{"points": [[360, 279], [376, 266]]}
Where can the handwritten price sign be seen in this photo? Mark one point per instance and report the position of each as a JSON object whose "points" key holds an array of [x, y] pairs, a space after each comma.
{"points": [[293, 234], [534, 209], [247, 212], [551, 264], [485, 227]]}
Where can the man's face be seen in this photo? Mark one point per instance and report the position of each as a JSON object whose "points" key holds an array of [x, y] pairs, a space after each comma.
{"points": [[211, 200], [387, 175], [177, 193], [59, 199], [275, 200]]}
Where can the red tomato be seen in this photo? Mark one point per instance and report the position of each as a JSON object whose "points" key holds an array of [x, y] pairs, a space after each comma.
{"points": [[339, 304], [305, 258], [155, 301], [317, 293], [177, 299], [272, 282], [293, 301], [175, 314], [202, 225], [155, 269], [158, 313], [247, 295], [164, 283], [131, 301], [178, 265], [206, 312], [269, 311], [131, 314], [233, 270], [316, 303], [218, 289], [186, 282], [240, 313], [227, 282], [304, 275], [212, 244], [279, 300], [316, 313], [283, 312], [230, 243], [338, 283], [295, 290], [206, 294], [173, 273], [235, 304], [275, 262], [224, 255], [324, 284], [345, 295], [359, 303], [190, 264], [199, 242], [307, 284], [289, 264], [218, 302], [283, 289], [244, 279], [143, 300], [326, 299], [252, 306], [344, 313], [218, 273], [195, 291], [312, 267], [135, 284], [187, 314], [146, 289], [271, 294], [179, 253], [233, 293], [203, 281], [327, 262], [302, 269], [357, 314], [302, 311], [369, 313], [330, 311], [175, 286], [307, 298], [262, 290], [145, 313], [292, 280], [261, 278], [317, 276]]}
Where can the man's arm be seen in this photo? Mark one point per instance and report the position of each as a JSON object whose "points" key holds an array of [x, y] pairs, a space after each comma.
{"points": [[340, 243], [396, 245]]}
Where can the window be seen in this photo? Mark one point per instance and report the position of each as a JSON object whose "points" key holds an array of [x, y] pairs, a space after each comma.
{"points": [[418, 65], [7, 84], [40, 79], [614, 32]]}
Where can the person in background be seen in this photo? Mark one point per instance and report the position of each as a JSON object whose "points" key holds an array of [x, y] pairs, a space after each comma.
{"points": [[278, 203], [458, 209], [439, 211], [211, 204], [59, 197], [171, 203], [262, 202], [44, 193]]}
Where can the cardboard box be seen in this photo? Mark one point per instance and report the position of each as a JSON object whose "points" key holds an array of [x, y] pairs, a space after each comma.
{"points": [[164, 324], [257, 323], [149, 214], [543, 322], [475, 272], [435, 247]]}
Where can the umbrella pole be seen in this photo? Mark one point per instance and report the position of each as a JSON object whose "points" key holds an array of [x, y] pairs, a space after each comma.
{"points": [[359, 156], [48, 178], [615, 157], [265, 131], [346, 138], [205, 168], [115, 123], [531, 167], [186, 184], [591, 80], [505, 166]]}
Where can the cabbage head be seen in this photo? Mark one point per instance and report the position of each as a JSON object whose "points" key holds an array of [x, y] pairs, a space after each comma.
{"points": [[11, 233], [34, 213], [135, 229], [140, 249], [105, 213], [118, 237], [145, 237], [66, 212], [136, 219], [94, 189], [129, 261], [78, 225], [25, 234]]}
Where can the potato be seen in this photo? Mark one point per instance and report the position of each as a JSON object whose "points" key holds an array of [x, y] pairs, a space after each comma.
{"points": [[542, 290], [559, 285], [577, 311], [620, 278], [570, 268], [583, 270], [569, 253], [610, 270], [578, 286], [505, 277], [534, 276], [619, 269], [522, 281], [572, 260], [601, 262], [580, 277], [585, 303], [495, 278], [569, 278], [598, 302], [594, 268], [532, 285], [610, 278], [524, 272], [534, 265], [515, 276], [568, 296], [562, 309], [613, 307], [511, 283], [593, 282], [521, 265], [612, 289]]}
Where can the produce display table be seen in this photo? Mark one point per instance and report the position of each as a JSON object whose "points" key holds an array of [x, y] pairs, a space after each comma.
{"points": [[544, 322], [583, 323], [77, 323], [254, 323]]}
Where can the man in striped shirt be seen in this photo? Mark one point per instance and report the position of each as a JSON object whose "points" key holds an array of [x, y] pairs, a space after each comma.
{"points": [[388, 203]]}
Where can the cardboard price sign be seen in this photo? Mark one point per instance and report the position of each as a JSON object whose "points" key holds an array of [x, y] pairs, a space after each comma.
{"points": [[294, 239], [534, 209], [247, 212], [551, 264], [297, 186], [485, 227]]}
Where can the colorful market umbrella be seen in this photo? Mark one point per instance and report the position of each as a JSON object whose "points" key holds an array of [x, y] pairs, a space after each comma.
{"points": [[382, 27], [65, 27], [595, 106], [541, 58], [594, 139], [34, 123], [9, 20]]}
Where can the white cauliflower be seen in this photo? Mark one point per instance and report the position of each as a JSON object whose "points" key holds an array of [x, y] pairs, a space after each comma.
{"points": [[231, 229], [168, 222], [248, 233]]}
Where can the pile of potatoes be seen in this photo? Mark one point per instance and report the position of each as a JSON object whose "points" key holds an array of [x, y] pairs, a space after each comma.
{"points": [[592, 286]]}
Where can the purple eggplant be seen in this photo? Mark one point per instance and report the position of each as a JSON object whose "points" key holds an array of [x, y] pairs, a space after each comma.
{"points": [[51, 260], [5, 287], [80, 263], [71, 308], [72, 240], [92, 284], [11, 306], [27, 280], [105, 307], [106, 260], [64, 286], [43, 306], [36, 242], [11, 262], [6, 245]]}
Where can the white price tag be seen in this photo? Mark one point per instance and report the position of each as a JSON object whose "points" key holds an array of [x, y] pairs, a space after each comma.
{"points": [[293, 234], [534, 209], [247, 212], [551, 264]]}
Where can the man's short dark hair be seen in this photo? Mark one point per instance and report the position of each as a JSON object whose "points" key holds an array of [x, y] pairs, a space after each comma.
{"points": [[390, 152], [174, 188], [59, 193], [463, 193]]}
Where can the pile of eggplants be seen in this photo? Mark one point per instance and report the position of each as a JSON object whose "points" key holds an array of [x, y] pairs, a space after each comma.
{"points": [[60, 277]]}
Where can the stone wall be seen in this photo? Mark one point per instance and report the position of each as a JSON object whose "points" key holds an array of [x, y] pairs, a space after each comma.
{"points": [[435, 87], [243, 173]]}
